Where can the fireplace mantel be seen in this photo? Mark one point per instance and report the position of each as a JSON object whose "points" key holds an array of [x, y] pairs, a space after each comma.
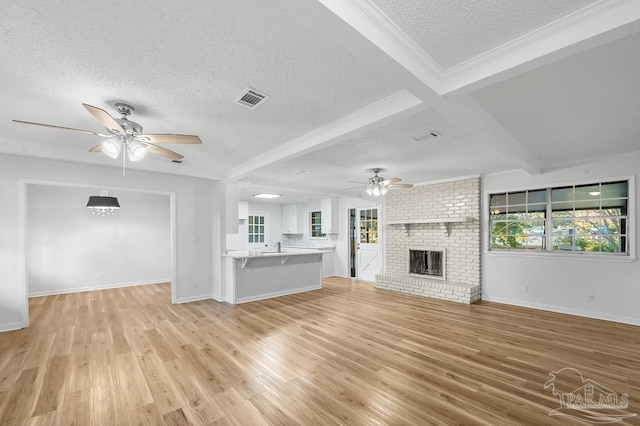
{"points": [[445, 221]]}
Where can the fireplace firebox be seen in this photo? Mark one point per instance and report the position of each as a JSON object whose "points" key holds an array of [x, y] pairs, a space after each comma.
{"points": [[428, 263]]}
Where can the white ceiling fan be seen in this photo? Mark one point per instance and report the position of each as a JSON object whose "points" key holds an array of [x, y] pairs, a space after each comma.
{"points": [[377, 185], [126, 135]]}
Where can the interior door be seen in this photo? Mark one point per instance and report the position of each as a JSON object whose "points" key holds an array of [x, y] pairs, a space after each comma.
{"points": [[368, 244]]}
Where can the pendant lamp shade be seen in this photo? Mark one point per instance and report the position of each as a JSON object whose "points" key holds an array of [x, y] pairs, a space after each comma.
{"points": [[103, 204]]}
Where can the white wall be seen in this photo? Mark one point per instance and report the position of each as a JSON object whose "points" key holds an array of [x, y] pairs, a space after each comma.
{"points": [[198, 219], [70, 249], [561, 283]]}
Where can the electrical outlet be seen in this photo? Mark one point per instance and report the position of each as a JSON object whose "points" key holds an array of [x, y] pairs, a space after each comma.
{"points": [[589, 297], [524, 288]]}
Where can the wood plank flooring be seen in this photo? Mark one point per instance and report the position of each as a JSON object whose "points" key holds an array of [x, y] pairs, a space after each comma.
{"points": [[347, 354]]}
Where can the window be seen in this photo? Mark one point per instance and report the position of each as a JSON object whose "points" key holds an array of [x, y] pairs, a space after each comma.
{"points": [[256, 230], [576, 218], [369, 226], [315, 220]]}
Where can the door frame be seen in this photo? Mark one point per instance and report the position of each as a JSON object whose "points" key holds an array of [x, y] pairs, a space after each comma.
{"points": [[379, 209]]}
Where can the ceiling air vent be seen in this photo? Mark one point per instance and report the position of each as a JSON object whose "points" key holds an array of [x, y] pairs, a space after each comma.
{"points": [[430, 135], [251, 98]]}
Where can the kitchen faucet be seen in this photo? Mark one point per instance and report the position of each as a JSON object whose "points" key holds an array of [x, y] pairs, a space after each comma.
{"points": [[279, 245]]}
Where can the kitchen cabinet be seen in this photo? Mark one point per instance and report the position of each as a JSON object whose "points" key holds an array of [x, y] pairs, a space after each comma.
{"points": [[329, 210], [293, 219], [243, 210]]}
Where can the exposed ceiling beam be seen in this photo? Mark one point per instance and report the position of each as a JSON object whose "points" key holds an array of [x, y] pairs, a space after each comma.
{"points": [[590, 27], [329, 134], [366, 18]]}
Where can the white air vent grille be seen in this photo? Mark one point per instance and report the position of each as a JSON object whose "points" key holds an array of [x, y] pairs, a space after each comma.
{"points": [[430, 135], [251, 98]]}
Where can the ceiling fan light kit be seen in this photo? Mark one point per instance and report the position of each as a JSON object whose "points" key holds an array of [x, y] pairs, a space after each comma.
{"points": [[111, 148], [126, 135], [136, 151], [103, 204], [378, 186]]}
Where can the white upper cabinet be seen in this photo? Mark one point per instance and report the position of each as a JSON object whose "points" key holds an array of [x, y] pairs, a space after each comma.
{"points": [[243, 210], [329, 210], [292, 219]]}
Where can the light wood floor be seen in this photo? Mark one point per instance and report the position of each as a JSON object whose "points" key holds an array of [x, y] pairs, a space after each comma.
{"points": [[346, 354]]}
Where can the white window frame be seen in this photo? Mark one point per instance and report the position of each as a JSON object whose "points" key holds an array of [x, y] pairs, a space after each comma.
{"points": [[266, 231], [310, 217], [629, 256]]}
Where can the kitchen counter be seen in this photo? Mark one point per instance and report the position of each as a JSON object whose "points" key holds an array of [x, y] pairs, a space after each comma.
{"points": [[253, 276], [284, 252]]}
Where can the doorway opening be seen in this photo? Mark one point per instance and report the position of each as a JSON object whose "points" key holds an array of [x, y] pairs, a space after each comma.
{"points": [[352, 243]]}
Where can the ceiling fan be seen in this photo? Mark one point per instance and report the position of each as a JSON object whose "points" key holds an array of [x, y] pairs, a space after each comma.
{"points": [[377, 185], [126, 135]]}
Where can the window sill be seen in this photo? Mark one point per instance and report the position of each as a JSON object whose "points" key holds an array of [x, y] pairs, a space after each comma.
{"points": [[579, 256]]}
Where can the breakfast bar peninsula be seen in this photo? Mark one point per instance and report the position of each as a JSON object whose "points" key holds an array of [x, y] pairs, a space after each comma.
{"points": [[261, 275]]}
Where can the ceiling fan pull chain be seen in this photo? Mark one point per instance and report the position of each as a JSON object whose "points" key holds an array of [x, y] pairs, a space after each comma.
{"points": [[124, 162]]}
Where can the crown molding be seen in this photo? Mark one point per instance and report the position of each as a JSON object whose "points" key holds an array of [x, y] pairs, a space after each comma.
{"points": [[572, 34]]}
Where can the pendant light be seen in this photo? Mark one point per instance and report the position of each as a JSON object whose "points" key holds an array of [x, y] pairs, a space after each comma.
{"points": [[102, 204]]}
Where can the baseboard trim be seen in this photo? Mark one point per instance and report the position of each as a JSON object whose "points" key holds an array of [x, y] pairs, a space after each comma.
{"points": [[278, 294], [562, 310], [101, 287], [195, 298], [12, 326]]}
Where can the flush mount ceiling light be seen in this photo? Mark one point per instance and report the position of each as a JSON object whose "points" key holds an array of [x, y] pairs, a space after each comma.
{"points": [[103, 204], [266, 195]]}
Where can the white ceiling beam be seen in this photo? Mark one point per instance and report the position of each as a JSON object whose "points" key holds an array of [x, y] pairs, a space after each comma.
{"points": [[590, 27], [306, 189], [366, 18], [329, 134]]}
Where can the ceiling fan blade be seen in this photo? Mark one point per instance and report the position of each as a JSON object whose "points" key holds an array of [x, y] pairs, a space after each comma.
{"points": [[354, 187], [103, 116], [355, 181], [390, 181], [96, 149], [89, 132], [167, 153], [175, 139], [399, 185]]}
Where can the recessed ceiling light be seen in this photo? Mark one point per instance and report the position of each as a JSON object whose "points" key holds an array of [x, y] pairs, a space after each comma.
{"points": [[594, 193], [266, 195]]}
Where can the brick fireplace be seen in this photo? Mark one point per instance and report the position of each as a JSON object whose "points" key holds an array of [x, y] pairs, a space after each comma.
{"points": [[442, 217]]}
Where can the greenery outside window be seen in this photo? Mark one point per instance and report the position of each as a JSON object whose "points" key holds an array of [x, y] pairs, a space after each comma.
{"points": [[369, 226], [315, 221], [589, 218]]}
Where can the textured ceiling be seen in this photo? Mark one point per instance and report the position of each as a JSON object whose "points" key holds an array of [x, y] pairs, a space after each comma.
{"points": [[452, 32], [348, 91], [181, 65], [455, 153]]}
